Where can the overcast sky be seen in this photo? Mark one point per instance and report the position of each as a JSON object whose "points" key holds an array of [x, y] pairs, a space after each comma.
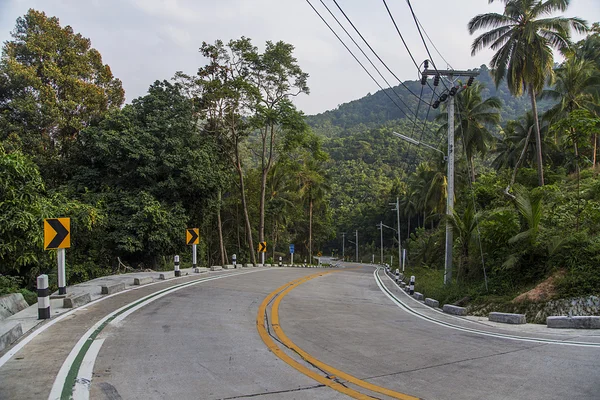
{"points": [[146, 40]]}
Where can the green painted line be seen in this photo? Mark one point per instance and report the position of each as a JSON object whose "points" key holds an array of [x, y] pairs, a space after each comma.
{"points": [[69, 385]]}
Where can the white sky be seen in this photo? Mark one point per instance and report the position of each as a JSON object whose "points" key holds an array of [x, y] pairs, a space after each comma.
{"points": [[146, 40]]}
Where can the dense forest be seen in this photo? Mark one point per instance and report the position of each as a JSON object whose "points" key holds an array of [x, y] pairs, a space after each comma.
{"points": [[223, 148]]}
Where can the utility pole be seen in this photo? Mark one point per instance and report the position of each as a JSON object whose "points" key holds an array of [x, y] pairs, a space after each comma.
{"points": [[397, 209], [453, 91], [343, 246], [381, 229], [357, 245]]}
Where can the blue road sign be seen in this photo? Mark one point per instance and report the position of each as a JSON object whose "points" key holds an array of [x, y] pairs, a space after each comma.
{"points": [[291, 249]]}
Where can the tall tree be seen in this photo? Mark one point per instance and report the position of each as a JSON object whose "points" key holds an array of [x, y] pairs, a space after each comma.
{"points": [[523, 41], [53, 84], [277, 77], [227, 98]]}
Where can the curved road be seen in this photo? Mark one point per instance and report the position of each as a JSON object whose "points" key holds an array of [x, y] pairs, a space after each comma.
{"points": [[287, 333]]}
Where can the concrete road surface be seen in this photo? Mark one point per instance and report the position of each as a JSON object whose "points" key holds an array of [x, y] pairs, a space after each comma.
{"points": [[293, 333]]}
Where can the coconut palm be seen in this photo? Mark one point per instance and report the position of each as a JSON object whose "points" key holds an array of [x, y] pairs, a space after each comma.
{"points": [[473, 117], [313, 188], [576, 86], [523, 39]]}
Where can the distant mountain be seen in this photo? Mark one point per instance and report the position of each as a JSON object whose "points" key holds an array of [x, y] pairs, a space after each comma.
{"points": [[376, 109]]}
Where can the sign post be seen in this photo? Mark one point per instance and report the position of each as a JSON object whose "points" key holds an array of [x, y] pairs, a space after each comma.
{"points": [[192, 237], [57, 235], [292, 249], [262, 248]]}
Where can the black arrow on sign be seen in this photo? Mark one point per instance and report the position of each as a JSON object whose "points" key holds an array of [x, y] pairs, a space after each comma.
{"points": [[194, 236], [61, 233], [263, 247]]}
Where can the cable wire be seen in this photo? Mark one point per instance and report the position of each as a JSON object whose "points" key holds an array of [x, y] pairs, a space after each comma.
{"points": [[364, 54], [423, 39], [375, 53], [357, 60]]}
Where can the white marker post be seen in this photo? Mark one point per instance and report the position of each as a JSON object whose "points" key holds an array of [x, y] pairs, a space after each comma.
{"points": [[194, 264], [411, 290], [397, 275], [234, 260], [403, 258], [177, 271], [43, 297], [62, 280], [280, 262]]}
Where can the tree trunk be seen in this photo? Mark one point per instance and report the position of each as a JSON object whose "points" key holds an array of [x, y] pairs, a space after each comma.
{"points": [[595, 149], [238, 166], [220, 228], [408, 231], [538, 137], [267, 157], [472, 169], [521, 157]]}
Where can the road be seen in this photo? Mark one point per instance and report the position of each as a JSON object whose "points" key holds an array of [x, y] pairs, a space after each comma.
{"points": [[292, 333]]}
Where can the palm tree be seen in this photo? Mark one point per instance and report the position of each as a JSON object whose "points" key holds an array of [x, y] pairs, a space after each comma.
{"points": [[472, 118], [523, 43], [313, 188], [575, 87], [515, 148]]}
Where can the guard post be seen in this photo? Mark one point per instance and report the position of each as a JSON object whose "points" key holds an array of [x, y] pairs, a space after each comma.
{"points": [[234, 260], [177, 271], [43, 297]]}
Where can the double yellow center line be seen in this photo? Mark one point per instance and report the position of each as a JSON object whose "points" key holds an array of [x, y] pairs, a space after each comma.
{"points": [[333, 374]]}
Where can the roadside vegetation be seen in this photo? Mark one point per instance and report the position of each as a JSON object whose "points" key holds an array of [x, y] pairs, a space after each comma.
{"points": [[223, 148]]}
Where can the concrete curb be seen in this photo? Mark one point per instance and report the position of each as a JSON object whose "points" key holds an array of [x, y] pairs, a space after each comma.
{"points": [[105, 289], [10, 335], [432, 303], [216, 268], [507, 318], [73, 301], [454, 310], [578, 322], [418, 296], [166, 275], [142, 281]]}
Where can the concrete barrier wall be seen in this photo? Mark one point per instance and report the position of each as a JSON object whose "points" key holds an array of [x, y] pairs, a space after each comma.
{"points": [[11, 304]]}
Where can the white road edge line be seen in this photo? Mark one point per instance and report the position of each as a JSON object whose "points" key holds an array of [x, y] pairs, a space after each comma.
{"points": [[399, 303], [84, 380], [8, 355], [57, 387]]}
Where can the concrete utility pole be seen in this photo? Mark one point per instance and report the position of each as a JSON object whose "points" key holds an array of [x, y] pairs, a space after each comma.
{"points": [[381, 229], [397, 209], [357, 245], [343, 246], [450, 75]]}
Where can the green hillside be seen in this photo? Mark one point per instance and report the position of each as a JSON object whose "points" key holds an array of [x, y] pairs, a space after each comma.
{"points": [[375, 109]]}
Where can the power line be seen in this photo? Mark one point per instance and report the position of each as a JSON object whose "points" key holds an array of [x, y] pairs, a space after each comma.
{"points": [[374, 52], [422, 38], [364, 54], [400, 34], [424, 126], [355, 58], [433, 44]]}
